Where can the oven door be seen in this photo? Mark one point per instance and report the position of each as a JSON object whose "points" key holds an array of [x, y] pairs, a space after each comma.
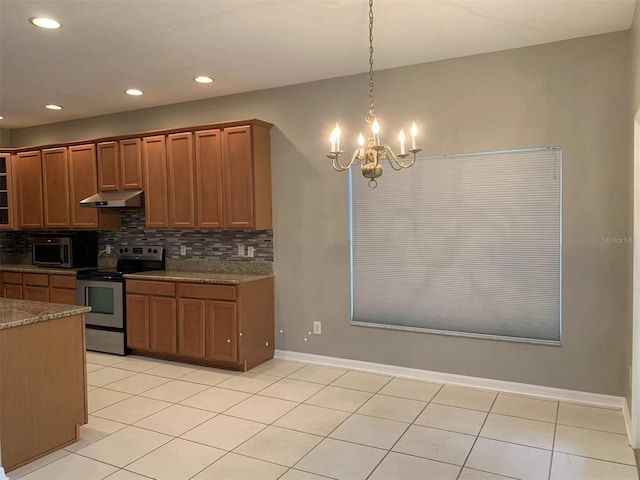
{"points": [[106, 301]]}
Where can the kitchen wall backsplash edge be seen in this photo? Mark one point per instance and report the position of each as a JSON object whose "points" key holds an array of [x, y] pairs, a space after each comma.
{"points": [[207, 250]]}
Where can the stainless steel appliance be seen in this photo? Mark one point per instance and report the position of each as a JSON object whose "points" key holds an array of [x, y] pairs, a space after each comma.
{"points": [[67, 250], [103, 291]]}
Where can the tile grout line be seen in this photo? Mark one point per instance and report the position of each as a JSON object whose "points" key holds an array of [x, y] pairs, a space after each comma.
{"points": [[553, 443], [495, 399]]}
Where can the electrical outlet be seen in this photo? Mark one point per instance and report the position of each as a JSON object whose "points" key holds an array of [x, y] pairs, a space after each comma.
{"points": [[241, 250], [317, 328], [108, 249], [251, 251], [183, 250]]}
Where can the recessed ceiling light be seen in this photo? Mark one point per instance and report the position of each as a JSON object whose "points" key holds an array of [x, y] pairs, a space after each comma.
{"points": [[44, 22], [51, 106], [134, 91], [203, 79]]}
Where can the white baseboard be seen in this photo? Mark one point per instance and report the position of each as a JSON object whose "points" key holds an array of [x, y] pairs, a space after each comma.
{"points": [[574, 396]]}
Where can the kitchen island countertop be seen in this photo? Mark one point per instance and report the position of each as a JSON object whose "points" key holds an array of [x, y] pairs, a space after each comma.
{"points": [[15, 313]]}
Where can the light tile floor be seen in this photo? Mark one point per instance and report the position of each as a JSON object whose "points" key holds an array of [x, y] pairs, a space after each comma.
{"points": [[292, 421]]}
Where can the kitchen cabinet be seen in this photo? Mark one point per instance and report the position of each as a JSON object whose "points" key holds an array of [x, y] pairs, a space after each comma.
{"points": [[180, 180], [154, 157], [119, 165], [82, 184], [224, 325], [246, 167], [28, 167], [40, 287], [55, 180], [209, 187], [151, 314], [7, 191], [138, 321]]}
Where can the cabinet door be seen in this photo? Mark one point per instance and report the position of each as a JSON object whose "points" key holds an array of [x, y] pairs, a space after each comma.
{"points": [[237, 168], [181, 192], [7, 210], [82, 184], [155, 179], [36, 294], [162, 324], [62, 295], [108, 166], [138, 321], [222, 331], [55, 177], [130, 164], [191, 327], [29, 190], [208, 179], [12, 291]]}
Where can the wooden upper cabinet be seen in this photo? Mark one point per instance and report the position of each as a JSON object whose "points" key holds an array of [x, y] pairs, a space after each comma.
{"points": [[131, 164], [246, 166], [120, 165], [29, 190], [154, 156], [55, 169], [7, 193], [82, 184], [108, 166], [180, 180], [238, 177], [209, 188]]}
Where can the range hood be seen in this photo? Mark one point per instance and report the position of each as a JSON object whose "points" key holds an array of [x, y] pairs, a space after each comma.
{"points": [[119, 199]]}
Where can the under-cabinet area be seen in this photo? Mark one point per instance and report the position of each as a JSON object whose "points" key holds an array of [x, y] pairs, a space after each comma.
{"points": [[230, 325]]}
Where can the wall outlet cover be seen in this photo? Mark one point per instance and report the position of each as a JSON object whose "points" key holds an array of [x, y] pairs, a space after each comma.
{"points": [[251, 251], [183, 249], [317, 328], [241, 250]]}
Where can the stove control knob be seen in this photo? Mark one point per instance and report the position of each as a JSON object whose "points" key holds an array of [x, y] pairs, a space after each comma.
{"points": [[148, 250], [155, 251], [126, 250]]}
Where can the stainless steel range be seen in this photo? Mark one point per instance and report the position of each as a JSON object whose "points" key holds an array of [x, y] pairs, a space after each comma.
{"points": [[103, 291]]}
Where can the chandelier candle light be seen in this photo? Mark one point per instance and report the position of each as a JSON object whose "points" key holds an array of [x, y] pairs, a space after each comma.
{"points": [[369, 154]]}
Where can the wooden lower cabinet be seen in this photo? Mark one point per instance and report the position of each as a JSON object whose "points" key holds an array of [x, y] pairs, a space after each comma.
{"points": [[36, 294], [162, 324], [12, 291], [39, 287], [192, 327], [223, 325], [222, 331], [138, 321]]}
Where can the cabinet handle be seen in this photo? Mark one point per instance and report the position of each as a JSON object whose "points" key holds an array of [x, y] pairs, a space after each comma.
{"points": [[228, 341], [266, 344], [240, 333]]}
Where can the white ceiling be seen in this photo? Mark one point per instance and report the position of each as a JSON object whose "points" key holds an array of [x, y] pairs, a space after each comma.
{"points": [[106, 46]]}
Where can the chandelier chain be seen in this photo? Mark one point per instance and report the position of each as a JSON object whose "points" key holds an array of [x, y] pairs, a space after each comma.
{"points": [[371, 111]]}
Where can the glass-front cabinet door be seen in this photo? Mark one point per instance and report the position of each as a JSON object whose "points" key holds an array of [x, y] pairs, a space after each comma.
{"points": [[6, 203]]}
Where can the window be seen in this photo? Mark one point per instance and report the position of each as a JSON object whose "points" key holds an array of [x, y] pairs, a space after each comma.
{"points": [[462, 244]]}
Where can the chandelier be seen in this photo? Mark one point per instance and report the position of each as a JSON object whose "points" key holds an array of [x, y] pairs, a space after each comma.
{"points": [[369, 154]]}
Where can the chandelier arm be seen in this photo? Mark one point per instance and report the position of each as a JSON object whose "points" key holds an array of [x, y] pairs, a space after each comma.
{"points": [[394, 162], [341, 168]]}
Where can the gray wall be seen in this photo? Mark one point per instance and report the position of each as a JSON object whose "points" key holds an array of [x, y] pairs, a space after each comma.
{"points": [[635, 108], [573, 93], [5, 137]]}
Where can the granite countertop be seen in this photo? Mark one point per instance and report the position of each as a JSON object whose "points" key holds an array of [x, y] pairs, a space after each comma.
{"points": [[15, 313], [28, 268], [198, 277]]}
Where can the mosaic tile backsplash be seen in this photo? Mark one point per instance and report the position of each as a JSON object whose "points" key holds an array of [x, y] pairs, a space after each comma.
{"points": [[202, 245]]}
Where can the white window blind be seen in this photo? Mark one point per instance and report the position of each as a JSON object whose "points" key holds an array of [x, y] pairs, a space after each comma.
{"points": [[464, 244]]}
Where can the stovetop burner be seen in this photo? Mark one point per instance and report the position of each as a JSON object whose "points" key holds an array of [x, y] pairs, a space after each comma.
{"points": [[131, 259]]}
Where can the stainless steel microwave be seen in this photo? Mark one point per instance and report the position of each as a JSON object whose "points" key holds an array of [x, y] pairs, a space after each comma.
{"points": [[73, 250]]}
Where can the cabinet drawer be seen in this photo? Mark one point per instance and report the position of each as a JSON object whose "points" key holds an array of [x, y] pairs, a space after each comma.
{"points": [[36, 279], [209, 292], [63, 281], [167, 289], [12, 277]]}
